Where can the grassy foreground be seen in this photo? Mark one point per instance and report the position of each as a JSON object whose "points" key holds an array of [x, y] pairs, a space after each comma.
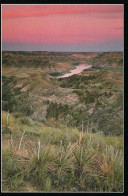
{"points": [[37, 157]]}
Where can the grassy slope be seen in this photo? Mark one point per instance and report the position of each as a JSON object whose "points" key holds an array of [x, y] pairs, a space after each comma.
{"points": [[68, 160]]}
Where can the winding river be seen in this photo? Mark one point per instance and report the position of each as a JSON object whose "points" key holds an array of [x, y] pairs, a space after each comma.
{"points": [[77, 70]]}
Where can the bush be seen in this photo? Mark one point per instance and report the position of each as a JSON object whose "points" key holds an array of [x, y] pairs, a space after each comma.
{"points": [[26, 121]]}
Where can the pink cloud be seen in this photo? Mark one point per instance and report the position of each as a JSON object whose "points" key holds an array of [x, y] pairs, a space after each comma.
{"points": [[9, 11]]}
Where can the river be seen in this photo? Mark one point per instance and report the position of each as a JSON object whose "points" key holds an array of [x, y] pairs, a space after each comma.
{"points": [[77, 70]]}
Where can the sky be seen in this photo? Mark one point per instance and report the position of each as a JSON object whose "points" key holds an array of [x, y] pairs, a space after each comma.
{"points": [[68, 28]]}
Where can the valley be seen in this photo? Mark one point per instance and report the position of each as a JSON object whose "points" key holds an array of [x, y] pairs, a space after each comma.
{"points": [[65, 117], [31, 86]]}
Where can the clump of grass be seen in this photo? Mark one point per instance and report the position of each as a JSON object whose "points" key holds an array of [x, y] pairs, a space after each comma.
{"points": [[47, 186], [116, 142], [13, 172], [108, 170]]}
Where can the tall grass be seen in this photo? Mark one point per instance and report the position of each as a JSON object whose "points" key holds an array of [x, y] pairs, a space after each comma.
{"points": [[68, 160]]}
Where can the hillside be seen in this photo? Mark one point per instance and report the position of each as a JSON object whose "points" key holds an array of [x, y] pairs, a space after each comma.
{"points": [[62, 134], [37, 157], [62, 59]]}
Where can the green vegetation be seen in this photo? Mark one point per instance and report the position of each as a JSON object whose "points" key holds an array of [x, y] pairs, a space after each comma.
{"points": [[76, 81], [93, 68], [90, 97], [55, 74], [55, 110], [62, 134], [59, 159], [108, 59], [13, 98], [23, 59]]}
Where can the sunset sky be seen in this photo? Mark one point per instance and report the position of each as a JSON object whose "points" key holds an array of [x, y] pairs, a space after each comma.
{"points": [[80, 28]]}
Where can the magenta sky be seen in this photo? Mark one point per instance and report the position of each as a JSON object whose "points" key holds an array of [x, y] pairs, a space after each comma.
{"points": [[62, 27]]}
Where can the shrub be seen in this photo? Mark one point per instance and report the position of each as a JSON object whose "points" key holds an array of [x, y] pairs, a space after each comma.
{"points": [[26, 121]]}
